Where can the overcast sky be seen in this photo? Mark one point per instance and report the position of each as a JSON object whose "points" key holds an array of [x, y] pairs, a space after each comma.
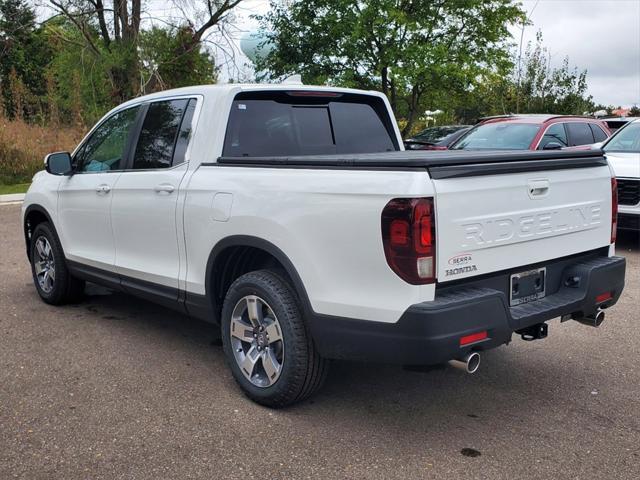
{"points": [[602, 36]]}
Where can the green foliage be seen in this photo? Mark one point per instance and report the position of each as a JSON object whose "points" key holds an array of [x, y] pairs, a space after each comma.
{"points": [[70, 71], [449, 55], [543, 89], [170, 59], [415, 52], [24, 55], [16, 188], [81, 90]]}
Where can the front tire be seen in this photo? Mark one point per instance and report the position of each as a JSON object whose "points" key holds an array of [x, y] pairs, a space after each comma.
{"points": [[52, 279], [266, 342]]}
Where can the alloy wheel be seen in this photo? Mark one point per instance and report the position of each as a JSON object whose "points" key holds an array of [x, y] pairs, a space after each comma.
{"points": [[44, 264], [257, 341]]}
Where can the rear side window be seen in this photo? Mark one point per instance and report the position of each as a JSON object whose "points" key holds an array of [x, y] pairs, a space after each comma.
{"points": [[159, 134], [263, 124], [598, 133], [579, 133], [185, 133]]}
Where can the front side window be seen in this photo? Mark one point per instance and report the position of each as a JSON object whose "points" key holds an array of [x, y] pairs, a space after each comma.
{"points": [[499, 136], [579, 133], [105, 148], [627, 139], [554, 134], [159, 134]]}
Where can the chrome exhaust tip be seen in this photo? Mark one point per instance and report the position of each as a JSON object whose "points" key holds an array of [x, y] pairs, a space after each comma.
{"points": [[594, 320], [469, 363]]}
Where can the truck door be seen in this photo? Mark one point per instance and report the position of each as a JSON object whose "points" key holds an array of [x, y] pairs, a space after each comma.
{"points": [[85, 197], [145, 198]]}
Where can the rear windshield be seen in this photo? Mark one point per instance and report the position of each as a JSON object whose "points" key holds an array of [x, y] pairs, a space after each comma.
{"points": [[264, 124], [499, 136], [626, 140]]}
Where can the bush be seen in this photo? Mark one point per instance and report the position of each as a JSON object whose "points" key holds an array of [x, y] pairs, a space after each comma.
{"points": [[23, 147]]}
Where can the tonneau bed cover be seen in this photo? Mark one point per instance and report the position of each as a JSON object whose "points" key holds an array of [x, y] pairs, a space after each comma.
{"points": [[441, 164]]}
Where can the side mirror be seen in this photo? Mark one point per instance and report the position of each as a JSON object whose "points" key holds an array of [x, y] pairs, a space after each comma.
{"points": [[552, 146], [58, 163], [597, 146]]}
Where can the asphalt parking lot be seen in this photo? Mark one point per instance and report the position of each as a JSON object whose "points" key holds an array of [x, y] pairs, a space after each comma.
{"points": [[118, 388]]}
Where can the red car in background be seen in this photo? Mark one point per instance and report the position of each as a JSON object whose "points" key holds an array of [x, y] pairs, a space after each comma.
{"points": [[532, 132]]}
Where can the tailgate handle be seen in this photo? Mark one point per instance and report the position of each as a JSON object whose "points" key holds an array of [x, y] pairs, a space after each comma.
{"points": [[538, 188]]}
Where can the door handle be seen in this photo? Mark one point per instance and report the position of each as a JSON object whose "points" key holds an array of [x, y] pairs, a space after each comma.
{"points": [[164, 188], [538, 188], [103, 189]]}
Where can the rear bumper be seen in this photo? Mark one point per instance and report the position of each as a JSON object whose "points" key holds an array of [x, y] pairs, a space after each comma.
{"points": [[429, 332]]}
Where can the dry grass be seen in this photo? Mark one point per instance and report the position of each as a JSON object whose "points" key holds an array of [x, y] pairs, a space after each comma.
{"points": [[23, 147]]}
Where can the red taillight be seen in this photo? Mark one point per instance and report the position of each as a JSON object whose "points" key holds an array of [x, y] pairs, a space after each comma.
{"points": [[408, 236], [603, 297], [399, 233], [614, 209], [474, 337]]}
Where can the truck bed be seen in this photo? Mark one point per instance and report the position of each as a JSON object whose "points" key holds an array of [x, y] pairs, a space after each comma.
{"points": [[440, 164]]}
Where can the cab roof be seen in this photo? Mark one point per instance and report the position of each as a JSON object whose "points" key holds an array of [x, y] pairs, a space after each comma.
{"points": [[219, 90]]}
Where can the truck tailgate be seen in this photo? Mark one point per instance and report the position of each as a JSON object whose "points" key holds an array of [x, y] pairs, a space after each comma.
{"points": [[487, 223]]}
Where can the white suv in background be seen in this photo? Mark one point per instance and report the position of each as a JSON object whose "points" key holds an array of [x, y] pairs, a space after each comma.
{"points": [[623, 153]]}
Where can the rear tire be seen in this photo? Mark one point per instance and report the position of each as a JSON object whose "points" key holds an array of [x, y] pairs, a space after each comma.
{"points": [[52, 279], [267, 343]]}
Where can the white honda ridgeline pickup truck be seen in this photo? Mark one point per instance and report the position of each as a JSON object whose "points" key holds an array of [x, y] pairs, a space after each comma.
{"points": [[290, 218]]}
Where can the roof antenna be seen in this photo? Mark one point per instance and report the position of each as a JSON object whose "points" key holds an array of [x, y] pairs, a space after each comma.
{"points": [[293, 80]]}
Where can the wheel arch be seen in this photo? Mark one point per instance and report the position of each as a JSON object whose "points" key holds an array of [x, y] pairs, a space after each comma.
{"points": [[34, 215], [238, 254]]}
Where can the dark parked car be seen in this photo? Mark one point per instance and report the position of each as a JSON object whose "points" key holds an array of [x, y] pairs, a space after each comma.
{"points": [[435, 138], [532, 132], [615, 123]]}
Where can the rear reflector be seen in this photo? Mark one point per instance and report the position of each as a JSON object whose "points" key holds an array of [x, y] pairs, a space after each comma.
{"points": [[603, 297], [474, 337]]}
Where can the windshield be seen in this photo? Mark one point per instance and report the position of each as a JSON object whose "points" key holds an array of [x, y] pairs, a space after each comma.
{"points": [[626, 140], [436, 134], [499, 136]]}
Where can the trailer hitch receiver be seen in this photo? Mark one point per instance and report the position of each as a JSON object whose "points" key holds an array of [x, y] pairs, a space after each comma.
{"points": [[534, 332]]}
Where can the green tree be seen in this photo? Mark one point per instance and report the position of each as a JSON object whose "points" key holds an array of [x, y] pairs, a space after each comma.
{"points": [[414, 52], [24, 54], [170, 59], [545, 89], [80, 87], [115, 42]]}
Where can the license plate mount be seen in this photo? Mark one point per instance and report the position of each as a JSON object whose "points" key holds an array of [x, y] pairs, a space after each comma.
{"points": [[528, 286]]}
